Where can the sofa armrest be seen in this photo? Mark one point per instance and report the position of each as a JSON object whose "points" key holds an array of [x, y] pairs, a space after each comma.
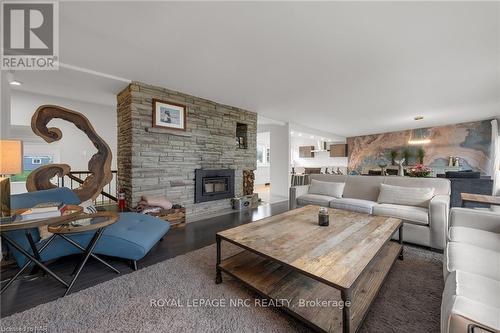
{"points": [[439, 208], [475, 218], [295, 192]]}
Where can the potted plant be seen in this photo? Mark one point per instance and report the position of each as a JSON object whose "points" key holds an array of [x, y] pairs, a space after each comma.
{"points": [[421, 155], [419, 170], [393, 154], [406, 154]]}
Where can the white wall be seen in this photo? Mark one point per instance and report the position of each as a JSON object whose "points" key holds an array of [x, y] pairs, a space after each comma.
{"points": [[4, 106], [74, 148], [279, 157], [263, 171]]}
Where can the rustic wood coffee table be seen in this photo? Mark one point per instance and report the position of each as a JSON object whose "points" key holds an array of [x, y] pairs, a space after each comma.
{"points": [[324, 276]]}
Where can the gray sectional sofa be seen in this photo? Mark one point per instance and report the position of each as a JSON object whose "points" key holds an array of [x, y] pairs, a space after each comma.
{"points": [[422, 203]]}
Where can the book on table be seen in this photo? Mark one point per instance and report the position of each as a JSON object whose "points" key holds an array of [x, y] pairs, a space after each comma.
{"points": [[44, 207], [35, 214]]}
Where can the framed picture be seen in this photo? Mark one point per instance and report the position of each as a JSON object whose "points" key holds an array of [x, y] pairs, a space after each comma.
{"points": [[168, 114]]}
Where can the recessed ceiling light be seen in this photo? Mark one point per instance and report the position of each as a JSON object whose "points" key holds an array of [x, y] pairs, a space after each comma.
{"points": [[311, 137], [300, 134], [418, 117], [292, 132], [15, 83]]}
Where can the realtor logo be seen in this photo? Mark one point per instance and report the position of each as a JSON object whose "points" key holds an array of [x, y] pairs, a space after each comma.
{"points": [[30, 35]]}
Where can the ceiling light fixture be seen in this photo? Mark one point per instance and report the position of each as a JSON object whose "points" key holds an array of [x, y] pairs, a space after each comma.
{"points": [[11, 80], [300, 134]]}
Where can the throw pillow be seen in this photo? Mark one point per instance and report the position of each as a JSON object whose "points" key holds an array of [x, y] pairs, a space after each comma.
{"points": [[332, 189], [88, 207], [159, 201], [408, 196]]}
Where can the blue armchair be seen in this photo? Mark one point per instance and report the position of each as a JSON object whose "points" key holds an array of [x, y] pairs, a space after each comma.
{"points": [[132, 237]]}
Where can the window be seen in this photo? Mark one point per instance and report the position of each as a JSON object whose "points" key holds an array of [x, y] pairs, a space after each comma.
{"points": [[30, 163]]}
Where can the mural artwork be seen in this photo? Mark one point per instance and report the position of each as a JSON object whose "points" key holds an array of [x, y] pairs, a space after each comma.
{"points": [[470, 142]]}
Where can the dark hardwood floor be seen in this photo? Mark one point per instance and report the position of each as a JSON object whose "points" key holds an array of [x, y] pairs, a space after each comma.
{"points": [[27, 293]]}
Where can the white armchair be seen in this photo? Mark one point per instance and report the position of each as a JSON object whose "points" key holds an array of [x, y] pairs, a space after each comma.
{"points": [[471, 298]]}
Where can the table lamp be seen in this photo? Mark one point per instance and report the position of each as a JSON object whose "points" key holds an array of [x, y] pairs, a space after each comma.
{"points": [[11, 163]]}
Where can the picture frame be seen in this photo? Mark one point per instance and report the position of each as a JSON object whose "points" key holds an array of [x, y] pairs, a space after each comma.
{"points": [[168, 114]]}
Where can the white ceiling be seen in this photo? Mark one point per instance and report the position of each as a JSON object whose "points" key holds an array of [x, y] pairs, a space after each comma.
{"points": [[344, 67], [72, 84]]}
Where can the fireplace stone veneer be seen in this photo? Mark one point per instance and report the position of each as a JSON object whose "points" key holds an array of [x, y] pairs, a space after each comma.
{"points": [[157, 161]]}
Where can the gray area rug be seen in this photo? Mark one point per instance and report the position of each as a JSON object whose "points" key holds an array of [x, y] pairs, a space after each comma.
{"points": [[409, 301]]}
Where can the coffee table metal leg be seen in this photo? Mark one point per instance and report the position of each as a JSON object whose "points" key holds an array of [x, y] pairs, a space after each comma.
{"points": [[72, 242], [31, 259], [346, 310], [88, 252], [401, 241], [218, 274]]}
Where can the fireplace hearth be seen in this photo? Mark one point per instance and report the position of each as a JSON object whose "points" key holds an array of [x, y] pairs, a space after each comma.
{"points": [[213, 185]]}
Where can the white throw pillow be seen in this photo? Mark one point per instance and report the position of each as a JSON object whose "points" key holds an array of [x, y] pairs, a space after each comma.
{"points": [[88, 207], [332, 189], [408, 196]]}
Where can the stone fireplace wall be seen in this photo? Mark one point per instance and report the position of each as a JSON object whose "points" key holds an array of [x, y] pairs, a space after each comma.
{"points": [[158, 161]]}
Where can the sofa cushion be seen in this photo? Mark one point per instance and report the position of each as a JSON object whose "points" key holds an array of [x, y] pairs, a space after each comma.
{"points": [[472, 259], [481, 238], [363, 187], [354, 205], [472, 296], [314, 199], [416, 215], [332, 189], [441, 186], [401, 195]]}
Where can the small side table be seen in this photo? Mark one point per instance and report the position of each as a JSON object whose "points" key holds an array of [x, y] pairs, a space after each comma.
{"points": [[480, 198], [11, 224], [85, 222]]}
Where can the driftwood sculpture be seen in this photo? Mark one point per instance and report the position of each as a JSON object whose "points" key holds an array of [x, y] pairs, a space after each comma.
{"points": [[99, 164]]}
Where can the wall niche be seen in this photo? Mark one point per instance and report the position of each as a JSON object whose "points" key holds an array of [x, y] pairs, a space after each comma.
{"points": [[242, 136]]}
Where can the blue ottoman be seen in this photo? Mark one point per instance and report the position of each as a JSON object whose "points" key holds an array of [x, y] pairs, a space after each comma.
{"points": [[131, 237]]}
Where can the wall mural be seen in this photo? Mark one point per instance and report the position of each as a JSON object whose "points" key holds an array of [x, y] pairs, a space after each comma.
{"points": [[471, 142]]}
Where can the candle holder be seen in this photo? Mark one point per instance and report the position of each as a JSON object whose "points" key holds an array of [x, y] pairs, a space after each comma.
{"points": [[323, 217]]}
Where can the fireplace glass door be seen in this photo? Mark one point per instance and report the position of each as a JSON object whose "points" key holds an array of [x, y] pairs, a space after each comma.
{"points": [[215, 185]]}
